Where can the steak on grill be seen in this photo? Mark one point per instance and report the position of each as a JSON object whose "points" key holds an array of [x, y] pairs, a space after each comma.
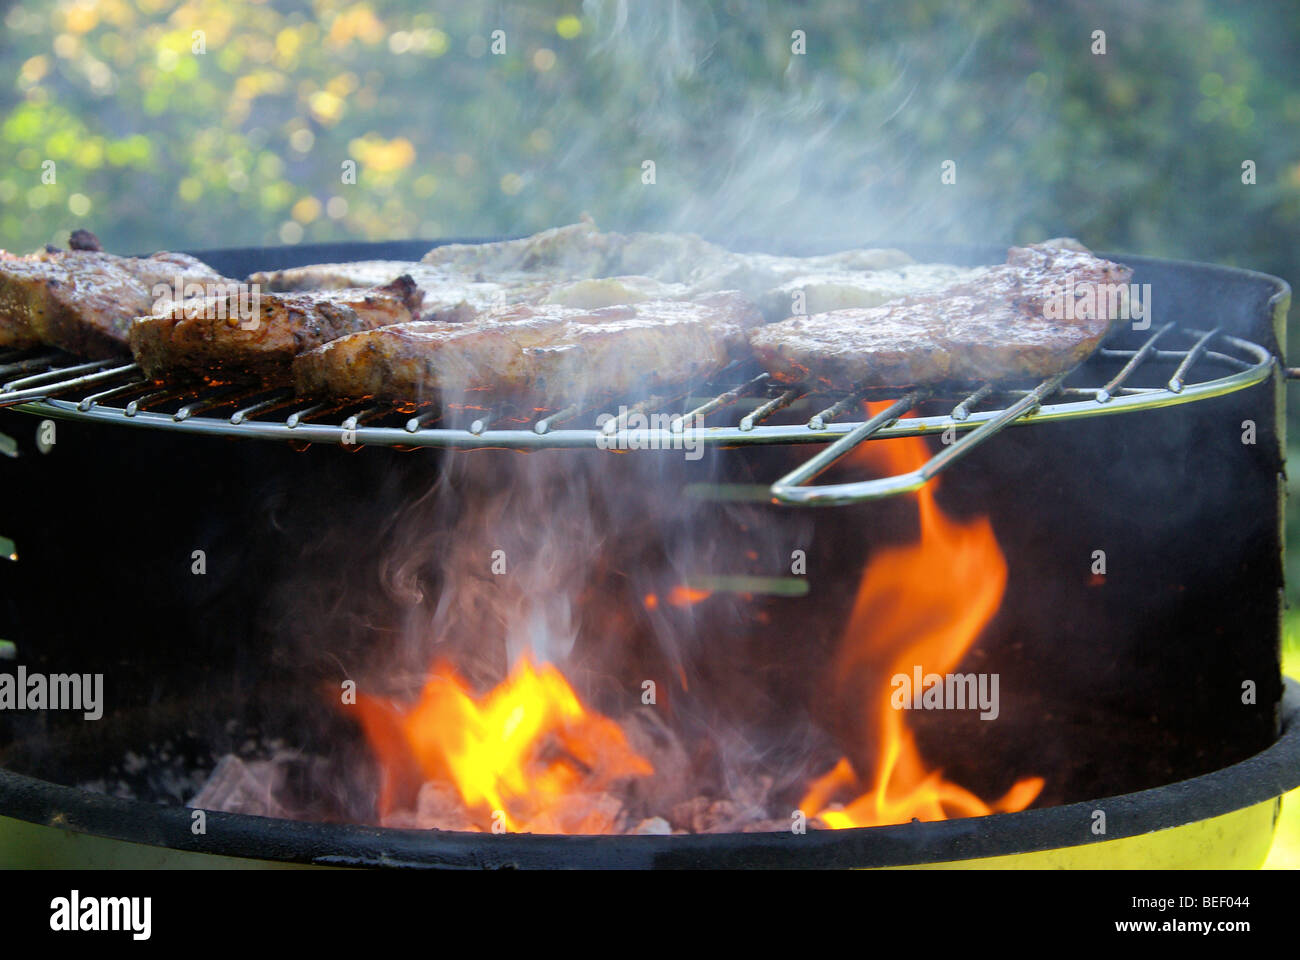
{"points": [[997, 323], [15, 317], [841, 288], [82, 300], [541, 354], [580, 251], [456, 297], [211, 335], [447, 296], [573, 252]]}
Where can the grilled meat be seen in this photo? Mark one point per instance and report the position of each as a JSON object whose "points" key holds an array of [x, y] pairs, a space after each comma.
{"points": [[240, 335], [577, 251], [996, 323], [763, 275], [448, 296], [581, 251], [340, 276], [841, 288], [82, 300], [15, 327], [606, 292], [539, 354], [455, 297]]}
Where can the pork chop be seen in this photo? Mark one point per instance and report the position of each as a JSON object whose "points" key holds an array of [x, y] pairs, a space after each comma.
{"points": [[996, 323], [258, 337], [447, 295], [544, 355], [580, 251], [83, 300]]}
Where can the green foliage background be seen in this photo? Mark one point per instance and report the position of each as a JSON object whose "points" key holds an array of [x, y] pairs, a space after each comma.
{"points": [[1138, 149]]}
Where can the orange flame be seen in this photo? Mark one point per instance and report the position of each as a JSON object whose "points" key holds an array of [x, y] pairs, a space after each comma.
{"points": [[527, 755], [919, 604]]}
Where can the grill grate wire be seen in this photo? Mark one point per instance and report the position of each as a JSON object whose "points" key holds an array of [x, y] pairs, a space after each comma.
{"points": [[1210, 364]]}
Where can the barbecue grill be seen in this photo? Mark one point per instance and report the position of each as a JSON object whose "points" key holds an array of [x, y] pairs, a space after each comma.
{"points": [[1202, 367]]}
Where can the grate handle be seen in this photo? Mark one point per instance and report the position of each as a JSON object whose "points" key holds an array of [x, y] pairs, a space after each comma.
{"points": [[795, 490]]}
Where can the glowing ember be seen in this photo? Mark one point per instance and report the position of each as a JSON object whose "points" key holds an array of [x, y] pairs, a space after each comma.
{"points": [[922, 604], [679, 596], [525, 757]]}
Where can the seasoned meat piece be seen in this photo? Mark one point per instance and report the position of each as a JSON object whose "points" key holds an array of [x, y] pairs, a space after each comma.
{"points": [[843, 289], [765, 277], [15, 326], [448, 296], [580, 251], [574, 252], [83, 300], [341, 276], [606, 292], [997, 323], [670, 257], [455, 297], [258, 337], [542, 354]]}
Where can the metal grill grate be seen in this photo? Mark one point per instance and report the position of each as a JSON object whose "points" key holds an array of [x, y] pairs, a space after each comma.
{"points": [[1151, 372]]}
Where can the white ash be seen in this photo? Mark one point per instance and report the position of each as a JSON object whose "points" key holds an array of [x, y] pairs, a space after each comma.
{"points": [[174, 770], [654, 826]]}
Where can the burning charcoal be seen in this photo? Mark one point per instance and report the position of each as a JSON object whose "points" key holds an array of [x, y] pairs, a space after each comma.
{"points": [[656, 826], [754, 791], [238, 787], [133, 762], [750, 804], [401, 820], [577, 813], [684, 814], [706, 815], [308, 785], [439, 807], [649, 736], [718, 817]]}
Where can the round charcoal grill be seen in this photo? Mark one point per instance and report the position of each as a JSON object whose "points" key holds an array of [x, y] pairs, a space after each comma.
{"points": [[1177, 361], [1215, 332]]}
